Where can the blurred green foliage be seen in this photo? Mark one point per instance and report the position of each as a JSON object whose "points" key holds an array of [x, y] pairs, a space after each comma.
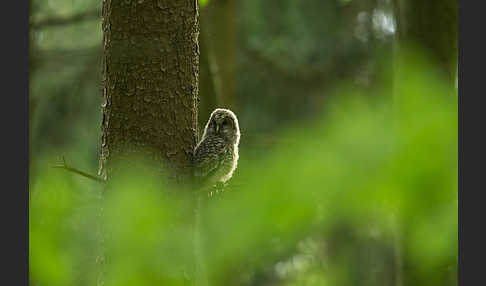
{"points": [[363, 194], [290, 54], [203, 3], [347, 172], [65, 81]]}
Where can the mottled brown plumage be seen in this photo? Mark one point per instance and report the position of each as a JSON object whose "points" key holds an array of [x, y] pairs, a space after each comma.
{"points": [[216, 155]]}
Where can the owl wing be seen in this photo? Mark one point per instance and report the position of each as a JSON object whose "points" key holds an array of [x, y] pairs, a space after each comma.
{"points": [[208, 157]]}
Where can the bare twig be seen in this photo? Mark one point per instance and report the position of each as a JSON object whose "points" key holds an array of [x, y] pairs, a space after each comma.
{"points": [[66, 167], [73, 19]]}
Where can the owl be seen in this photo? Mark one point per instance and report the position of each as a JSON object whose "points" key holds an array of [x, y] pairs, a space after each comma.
{"points": [[216, 155]]}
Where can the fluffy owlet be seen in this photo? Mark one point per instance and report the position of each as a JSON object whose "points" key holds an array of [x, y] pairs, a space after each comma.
{"points": [[216, 155]]}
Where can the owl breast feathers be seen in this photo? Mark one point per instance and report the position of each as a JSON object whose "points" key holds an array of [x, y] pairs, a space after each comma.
{"points": [[216, 155]]}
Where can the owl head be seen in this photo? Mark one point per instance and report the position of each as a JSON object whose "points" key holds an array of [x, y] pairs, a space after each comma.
{"points": [[223, 123]]}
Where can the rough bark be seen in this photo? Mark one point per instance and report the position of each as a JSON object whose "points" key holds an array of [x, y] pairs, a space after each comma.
{"points": [[150, 82], [150, 87], [432, 25]]}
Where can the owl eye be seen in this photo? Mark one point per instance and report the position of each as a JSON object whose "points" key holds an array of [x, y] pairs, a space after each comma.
{"points": [[226, 122]]}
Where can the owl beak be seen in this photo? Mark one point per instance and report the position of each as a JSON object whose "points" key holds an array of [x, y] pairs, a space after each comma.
{"points": [[217, 128]]}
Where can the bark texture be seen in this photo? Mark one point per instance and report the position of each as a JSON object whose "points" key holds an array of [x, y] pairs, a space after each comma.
{"points": [[150, 82]]}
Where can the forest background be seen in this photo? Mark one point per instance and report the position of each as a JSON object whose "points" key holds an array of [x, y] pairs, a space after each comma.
{"points": [[348, 169]]}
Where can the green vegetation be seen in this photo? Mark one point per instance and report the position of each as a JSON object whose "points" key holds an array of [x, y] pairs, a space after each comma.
{"points": [[348, 155], [365, 193]]}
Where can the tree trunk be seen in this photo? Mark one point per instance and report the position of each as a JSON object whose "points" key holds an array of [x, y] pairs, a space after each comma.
{"points": [[432, 25], [208, 81], [150, 82], [150, 88], [221, 31]]}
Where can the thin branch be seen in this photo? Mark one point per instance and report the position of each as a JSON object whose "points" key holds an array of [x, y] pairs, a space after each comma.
{"points": [[73, 19], [84, 174]]}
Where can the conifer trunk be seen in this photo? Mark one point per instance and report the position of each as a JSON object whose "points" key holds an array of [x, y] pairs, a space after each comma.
{"points": [[150, 82], [150, 88]]}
